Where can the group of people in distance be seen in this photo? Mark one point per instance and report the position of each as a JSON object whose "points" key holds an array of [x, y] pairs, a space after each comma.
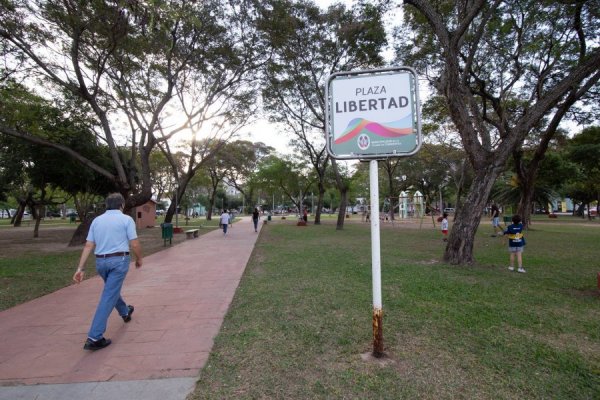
{"points": [[514, 232], [226, 219]]}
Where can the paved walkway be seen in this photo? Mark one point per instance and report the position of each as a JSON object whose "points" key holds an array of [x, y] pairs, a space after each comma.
{"points": [[180, 296]]}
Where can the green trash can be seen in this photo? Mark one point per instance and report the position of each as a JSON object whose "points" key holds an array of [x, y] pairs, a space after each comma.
{"points": [[167, 232], [269, 217], [73, 218], [507, 220]]}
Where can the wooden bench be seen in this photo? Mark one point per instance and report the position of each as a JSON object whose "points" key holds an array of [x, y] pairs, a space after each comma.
{"points": [[192, 233]]}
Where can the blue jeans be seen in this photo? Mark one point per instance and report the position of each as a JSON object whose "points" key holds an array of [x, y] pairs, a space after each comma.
{"points": [[224, 229], [255, 223], [113, 271]]}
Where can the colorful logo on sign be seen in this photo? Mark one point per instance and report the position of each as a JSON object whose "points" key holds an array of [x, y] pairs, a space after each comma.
{"points": [[363, 142], [389, 130]]}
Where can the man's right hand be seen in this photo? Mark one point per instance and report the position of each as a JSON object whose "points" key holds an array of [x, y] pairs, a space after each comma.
{"points": [[78, 276]]}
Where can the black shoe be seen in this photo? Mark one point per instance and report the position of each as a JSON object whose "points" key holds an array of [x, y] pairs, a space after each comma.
{"points": [[127, 317], [96, 344]]}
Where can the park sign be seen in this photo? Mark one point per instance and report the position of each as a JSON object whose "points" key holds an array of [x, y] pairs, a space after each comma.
{"points": [[373, 114]]}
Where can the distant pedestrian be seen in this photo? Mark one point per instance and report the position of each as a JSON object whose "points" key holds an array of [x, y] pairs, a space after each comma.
{"points": [[255, 218], [516, 243], [445, 227], [496, 220], [110, 236], [305, 215], [224, 221]]}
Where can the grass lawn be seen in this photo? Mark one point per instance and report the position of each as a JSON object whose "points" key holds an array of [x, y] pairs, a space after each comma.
{"points": [[299, 326]]}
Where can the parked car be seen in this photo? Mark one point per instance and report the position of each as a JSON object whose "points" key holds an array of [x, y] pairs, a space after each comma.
{"points": [[449, 210]]}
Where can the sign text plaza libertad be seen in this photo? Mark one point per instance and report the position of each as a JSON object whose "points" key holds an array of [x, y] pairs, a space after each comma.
{"points": [[373, 115]]}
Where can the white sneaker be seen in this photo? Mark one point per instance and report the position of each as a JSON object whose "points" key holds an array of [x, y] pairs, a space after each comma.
{"points": [[521, 270], [511, 268]]}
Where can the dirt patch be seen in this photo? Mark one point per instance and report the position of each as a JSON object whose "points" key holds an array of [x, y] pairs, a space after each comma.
{"points": [[584, 293], [14, 241], [384, 361], [55, 239]]}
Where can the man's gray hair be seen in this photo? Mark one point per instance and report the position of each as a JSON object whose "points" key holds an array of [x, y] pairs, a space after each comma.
{"points": [[114, 201]]}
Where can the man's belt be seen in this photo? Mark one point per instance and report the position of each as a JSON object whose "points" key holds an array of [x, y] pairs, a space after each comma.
{"points": [[118, 254]]}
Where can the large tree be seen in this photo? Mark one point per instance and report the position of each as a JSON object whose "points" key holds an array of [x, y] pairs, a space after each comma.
{"points": [[290, 177], [307, 44], [504, 67], [217, 94], [244, 157], [123, 58], [38, 172]]}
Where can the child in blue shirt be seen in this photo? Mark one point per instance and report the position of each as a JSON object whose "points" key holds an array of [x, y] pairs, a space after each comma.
{"points": [[516, 242]]}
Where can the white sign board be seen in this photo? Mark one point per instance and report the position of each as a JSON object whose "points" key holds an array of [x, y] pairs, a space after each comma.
{"points": [[373, 114]]}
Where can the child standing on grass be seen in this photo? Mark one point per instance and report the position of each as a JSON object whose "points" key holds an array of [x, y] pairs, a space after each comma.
{"points": [[445, 227], [516, 242]]}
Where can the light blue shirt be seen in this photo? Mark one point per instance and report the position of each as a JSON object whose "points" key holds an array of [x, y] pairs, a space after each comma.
{"points": [[111, 232]]}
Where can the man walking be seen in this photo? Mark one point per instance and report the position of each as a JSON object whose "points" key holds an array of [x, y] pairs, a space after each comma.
{"points": [[110, 236]]}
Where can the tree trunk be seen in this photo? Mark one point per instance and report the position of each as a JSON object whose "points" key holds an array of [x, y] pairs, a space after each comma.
{"points": [[38, 220], [212, 200], [180, 191], [343, 188], [343, 206], [81, 232], [320, 200], [19, 215], [459, 249], [524, 207]]}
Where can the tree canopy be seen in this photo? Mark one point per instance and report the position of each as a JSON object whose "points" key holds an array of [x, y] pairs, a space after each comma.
{"points": [[505, 68]]}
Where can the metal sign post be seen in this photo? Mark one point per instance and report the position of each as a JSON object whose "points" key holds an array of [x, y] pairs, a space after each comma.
{"points": [[376, 261], [373, 115]]}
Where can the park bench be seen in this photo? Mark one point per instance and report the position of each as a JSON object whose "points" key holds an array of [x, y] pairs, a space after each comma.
{"points": [[192, 233]]}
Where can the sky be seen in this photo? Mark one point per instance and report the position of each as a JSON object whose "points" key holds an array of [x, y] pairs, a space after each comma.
{"points": [[271, 134]]}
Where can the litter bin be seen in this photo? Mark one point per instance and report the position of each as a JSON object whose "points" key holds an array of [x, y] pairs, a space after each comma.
{"points": [[72, 218], [507, 220], [167, 232], [269, 217]]}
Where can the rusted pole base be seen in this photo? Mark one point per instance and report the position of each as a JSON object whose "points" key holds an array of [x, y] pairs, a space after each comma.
{"points": [[378, 332]]}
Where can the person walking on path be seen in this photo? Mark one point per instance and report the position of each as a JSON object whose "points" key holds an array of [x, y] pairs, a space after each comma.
{"points": [[445, 227], [516, 242], [225, 221], [110, 237], [255, 218]]}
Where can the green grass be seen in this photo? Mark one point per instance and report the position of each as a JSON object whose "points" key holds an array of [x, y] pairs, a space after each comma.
{"points": [[301, 318], [29, 276]]}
